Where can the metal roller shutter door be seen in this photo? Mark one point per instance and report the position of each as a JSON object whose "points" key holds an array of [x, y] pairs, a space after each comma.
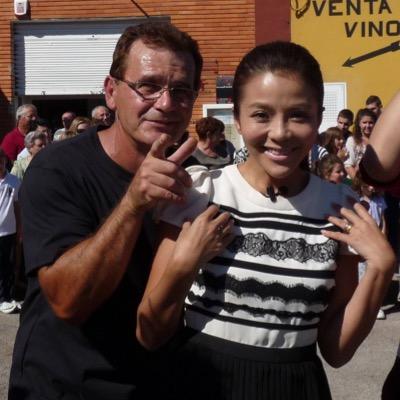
{"points": [[64, 57]]}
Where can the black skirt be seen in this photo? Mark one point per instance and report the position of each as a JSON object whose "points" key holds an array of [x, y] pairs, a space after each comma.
{"points": [[199, 366]]}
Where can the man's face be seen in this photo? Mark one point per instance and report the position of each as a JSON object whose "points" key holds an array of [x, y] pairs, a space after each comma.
{"points": [[44, 129], [103, 116], [375, 108], [344, 123], [143, 120], [67, 118], [28, 120]]}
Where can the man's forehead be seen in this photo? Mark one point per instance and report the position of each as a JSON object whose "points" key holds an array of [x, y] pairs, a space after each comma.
{"points": [[30, 110], [143, 55]]}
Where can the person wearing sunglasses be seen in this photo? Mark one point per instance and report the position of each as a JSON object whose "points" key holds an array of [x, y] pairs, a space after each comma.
{"points": [[78, 125]]}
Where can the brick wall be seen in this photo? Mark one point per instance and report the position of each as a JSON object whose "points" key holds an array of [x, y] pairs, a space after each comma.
{"points": [[225, 30]]}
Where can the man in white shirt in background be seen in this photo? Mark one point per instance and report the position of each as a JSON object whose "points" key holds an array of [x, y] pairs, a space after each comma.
{"points": [[9, 233], [66, 119], [101, 115]]}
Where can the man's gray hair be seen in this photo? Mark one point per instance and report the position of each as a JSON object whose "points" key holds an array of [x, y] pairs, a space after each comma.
{"points": [[21, 110], [94, 111], [30, 138]]}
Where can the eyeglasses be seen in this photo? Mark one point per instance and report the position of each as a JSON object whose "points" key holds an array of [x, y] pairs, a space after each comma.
{"points": [[149, 91]]}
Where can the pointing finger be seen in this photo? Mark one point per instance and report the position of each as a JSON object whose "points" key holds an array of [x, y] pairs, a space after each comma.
{"points": [[160, 146], [183, 151]]}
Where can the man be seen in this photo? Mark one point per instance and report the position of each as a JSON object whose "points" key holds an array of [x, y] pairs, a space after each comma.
{"points": [[13, 141], [66, 120], [374, 103], [43, 126], [380, 166], [101, 116], [87, 231], [344, 121], [9, 230]]}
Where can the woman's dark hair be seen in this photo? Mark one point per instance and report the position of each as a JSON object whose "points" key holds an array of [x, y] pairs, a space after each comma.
{"points": [[329, 139], [283, 57], [364, 112], [324, 167], [209, 126]]}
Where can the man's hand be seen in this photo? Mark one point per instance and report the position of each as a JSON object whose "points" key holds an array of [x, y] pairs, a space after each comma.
{"points": [[160, 178]]}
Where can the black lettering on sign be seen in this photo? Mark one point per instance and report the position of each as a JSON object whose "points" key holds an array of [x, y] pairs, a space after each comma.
{"points": [[393, 28], [333, 8], [318, 10], [384, 6], [350, 7], [373, 28], [350, 29], [355, 6]]}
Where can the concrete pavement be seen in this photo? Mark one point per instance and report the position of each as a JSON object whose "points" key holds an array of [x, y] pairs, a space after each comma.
{"points": [[360, 379]]}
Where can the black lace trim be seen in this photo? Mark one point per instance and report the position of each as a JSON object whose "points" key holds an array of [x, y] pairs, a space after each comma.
{"points": [[251, 287], [250, 322], [256, 312], [259, 244]]}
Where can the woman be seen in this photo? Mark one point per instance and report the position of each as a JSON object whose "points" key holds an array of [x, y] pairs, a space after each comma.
{"points": [[210, 152], [78, 125], [334, 143], [253, 312], [357, 143], [34, 142]]}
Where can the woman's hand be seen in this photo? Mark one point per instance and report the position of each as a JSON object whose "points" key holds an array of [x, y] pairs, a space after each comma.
{"points": [[343, 154], [361, 232], [202, 239]]}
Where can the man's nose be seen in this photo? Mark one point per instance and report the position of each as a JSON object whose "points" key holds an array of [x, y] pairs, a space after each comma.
{"points": [[165, 101]]}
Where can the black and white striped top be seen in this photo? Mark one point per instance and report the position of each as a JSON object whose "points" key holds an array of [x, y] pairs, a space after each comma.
{"points": [[270, 286]]}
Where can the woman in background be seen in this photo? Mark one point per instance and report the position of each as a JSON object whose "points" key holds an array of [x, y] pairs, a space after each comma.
{"points": [[34, 142], [357, 143], [210, 152], [78, 126]]}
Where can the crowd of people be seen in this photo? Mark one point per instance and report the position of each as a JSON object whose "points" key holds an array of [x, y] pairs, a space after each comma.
{"points": [[159, 266], [18, 147]]}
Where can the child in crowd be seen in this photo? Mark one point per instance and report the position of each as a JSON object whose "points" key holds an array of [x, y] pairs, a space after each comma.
{"points": [[334, 143], [331, 168], [374, 202]]}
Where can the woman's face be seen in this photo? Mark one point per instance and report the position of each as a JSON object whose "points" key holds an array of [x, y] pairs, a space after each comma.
{"points": [[278, 119], [366, 124], [338, 174], [38, 145], [82, 127], [339, 143]]}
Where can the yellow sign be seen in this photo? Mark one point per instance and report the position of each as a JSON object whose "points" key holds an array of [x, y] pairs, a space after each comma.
{"points": [[355, 41]]}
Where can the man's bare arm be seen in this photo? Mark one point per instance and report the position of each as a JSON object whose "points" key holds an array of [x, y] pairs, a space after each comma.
{"points": [[86, 275], [382, 158]]}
